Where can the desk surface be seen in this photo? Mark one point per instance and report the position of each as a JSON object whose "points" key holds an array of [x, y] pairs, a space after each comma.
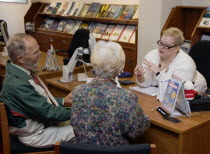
{"points": [[149, 104], [186, 137]]}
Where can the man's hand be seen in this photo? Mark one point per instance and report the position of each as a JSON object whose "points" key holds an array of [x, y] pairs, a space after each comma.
{"points": [[68, 100]]}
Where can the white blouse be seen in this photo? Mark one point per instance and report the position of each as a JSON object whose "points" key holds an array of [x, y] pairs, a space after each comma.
{"points": [[182, 66]]}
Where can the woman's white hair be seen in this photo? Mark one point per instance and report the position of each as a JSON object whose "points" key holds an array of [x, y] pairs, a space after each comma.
{"points": [[108, 59]]}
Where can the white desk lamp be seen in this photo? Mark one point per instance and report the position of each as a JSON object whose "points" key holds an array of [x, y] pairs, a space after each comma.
{"points": [[69, 68]]}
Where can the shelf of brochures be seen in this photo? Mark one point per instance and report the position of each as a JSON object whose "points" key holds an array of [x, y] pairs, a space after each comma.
{"points": [[61, 40], [104, 20], [187, 18]]}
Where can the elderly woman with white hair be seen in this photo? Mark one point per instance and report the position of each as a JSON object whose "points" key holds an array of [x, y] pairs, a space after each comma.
{"points": [[102, 113]]}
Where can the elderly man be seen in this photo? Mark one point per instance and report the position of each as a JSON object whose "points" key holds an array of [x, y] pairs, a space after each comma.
{"points": [[33, 112]]}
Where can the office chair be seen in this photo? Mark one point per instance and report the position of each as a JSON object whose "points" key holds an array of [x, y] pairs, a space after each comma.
{"points": [[11, 143], [80, 39], [76, 148], [200, 53]]}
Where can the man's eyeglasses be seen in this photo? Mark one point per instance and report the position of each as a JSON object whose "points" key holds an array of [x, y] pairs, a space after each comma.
{"points": [[165, 46]]}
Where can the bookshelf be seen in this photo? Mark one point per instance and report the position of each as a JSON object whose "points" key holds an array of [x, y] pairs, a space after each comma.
{"points": [[61, 40], [187, 18]]}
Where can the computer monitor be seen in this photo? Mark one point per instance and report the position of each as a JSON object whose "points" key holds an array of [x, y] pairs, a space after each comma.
{"points": [[4, 36]]}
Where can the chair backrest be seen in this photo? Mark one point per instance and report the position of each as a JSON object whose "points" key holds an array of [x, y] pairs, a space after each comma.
{"points": [[75, 148], [80, 39], [200, 53], [7, 142]]}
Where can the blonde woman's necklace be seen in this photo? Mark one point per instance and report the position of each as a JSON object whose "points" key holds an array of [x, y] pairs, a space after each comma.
{"points": [[160, 68]]}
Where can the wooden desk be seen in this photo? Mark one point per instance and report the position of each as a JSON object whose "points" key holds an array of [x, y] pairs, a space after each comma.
{"points": [[191, 136], [41, 62]]}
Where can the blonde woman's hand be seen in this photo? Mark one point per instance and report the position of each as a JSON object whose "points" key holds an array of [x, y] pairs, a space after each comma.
{"points": [[139, 71], [150, 66]]}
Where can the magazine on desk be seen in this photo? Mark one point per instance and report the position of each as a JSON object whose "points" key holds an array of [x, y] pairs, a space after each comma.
{"points": [[174, 101]]}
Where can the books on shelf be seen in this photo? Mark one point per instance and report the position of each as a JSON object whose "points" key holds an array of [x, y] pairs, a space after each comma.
{"points": [[116, 32], [75, 27], [84, 25], [46, 8], [205, 21], [74, 8], [131, 12], [133, 38], [48, 22], [68, 9], [108, 32], [127, 33], [69, 26], [103, 10], [62, 8], [84, 10], [62, 24], [136, 14], [207, 13], [71, 9], [93, 9], [49, 8], [92, 26], [113, 11], [99, 30], [78, 8], [128, 12], [55, 10], [55, 25]]}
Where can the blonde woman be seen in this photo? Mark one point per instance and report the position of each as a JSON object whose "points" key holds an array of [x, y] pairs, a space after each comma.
{"points": [[167, 60]]}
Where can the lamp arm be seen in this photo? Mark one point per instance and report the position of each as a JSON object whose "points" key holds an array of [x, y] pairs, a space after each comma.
{"points": [[69, 68]]}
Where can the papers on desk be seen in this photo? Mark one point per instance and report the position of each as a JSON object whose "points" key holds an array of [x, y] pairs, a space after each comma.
{"points": [[162, 89], [89, 79], [152, 91], [82, 77]]}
